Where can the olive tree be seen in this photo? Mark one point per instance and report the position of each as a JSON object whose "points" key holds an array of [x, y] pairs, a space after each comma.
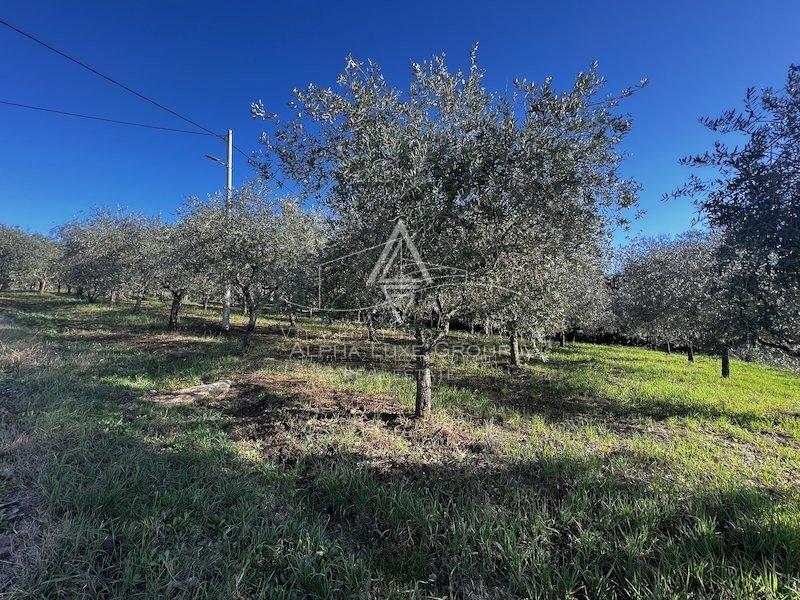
{"points": [[12, 257], [27, 259], [667, 289], [188, 256], [589, 306], [476, 180], [93, 251], [140, 256], [273, 246], [753, 201], [265, 246]]}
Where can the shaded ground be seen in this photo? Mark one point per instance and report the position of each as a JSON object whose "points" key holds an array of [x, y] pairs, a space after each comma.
{"points": [[603, 473]]}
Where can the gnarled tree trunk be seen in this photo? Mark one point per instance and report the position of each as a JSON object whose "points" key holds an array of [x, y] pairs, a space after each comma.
{"points": [[690, 353], [174, 311], [425, 343], [422, 406]]}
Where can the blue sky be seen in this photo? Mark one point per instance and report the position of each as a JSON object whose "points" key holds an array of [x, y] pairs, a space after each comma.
{"points": [[209, 60]]}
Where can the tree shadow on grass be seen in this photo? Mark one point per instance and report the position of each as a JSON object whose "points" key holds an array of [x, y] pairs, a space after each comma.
{"points": [[459, 519], [146, 501], [558, 396], [190, 515], [551, 526], [559, 390], [136, 500], [558, 393]]}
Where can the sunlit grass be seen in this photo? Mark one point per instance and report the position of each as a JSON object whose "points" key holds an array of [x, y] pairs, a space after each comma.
{"points": [[605, 472]]}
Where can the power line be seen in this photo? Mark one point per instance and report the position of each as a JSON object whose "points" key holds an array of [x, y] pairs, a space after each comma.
{"points": [[116, 121], [250, 160], [107, 78], [206, 131]]}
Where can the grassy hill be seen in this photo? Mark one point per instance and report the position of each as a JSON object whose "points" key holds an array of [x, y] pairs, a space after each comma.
{"points": [[605, 472]]}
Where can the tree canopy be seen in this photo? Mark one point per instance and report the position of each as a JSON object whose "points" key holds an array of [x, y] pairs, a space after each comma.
{"points": [[753, 200]]}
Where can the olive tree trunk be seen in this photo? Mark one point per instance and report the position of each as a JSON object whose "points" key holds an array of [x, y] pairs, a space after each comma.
{"points": [[252, 316], [422, 406], [513, 342], [726, 362], [175, 310], [137, 308], [690, 353], [425, 343]]}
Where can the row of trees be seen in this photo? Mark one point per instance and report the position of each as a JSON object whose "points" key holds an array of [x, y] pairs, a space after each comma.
{"points": [[662, 290], [26, 260], [508, 200], [267, 248]]}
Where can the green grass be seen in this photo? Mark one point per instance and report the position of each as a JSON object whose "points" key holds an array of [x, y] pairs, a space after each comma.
{"points": [[606, 472]]}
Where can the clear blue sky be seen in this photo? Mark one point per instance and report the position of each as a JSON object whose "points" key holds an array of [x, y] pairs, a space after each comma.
{"points": [[209, 60]]}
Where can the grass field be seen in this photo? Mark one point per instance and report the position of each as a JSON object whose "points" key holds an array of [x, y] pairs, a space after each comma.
{"points": [[606, 472]]}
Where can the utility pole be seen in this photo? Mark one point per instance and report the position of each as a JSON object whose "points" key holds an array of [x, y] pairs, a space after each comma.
{"points": [[226, 301]]}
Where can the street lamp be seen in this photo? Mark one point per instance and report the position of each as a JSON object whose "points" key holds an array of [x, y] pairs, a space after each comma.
{"points": [[226, 302]]}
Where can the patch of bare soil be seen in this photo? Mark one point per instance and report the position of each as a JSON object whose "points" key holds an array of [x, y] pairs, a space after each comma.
{"points": [[287, 415], [149, 341]]}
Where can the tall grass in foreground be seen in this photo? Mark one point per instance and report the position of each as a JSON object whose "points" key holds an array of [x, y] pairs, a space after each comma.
{"points": [[604, 473]]}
